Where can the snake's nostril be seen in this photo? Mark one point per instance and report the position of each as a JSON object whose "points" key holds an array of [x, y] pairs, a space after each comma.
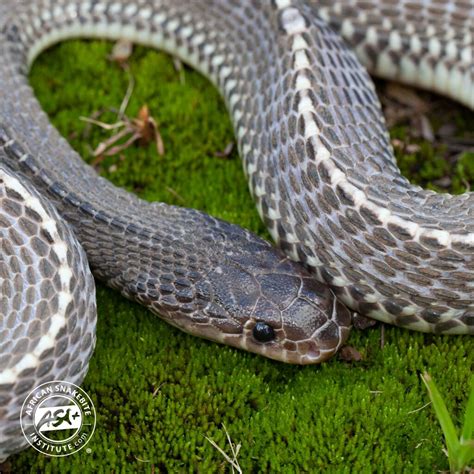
{"points": [[262, 332]]}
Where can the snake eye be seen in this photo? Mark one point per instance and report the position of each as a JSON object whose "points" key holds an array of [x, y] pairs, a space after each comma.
{"points": [[262, 332]]}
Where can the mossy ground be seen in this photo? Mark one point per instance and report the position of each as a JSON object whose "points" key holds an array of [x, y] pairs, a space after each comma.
{"points": [[158, 392]]}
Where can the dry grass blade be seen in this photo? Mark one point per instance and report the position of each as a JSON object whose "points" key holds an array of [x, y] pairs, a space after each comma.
{"points": [[115, 150], [234, 464], [104, 125], [128, 93], [416, 410]]}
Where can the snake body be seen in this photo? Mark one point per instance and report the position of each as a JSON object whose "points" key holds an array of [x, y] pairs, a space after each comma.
{"points": [[319, 164]]}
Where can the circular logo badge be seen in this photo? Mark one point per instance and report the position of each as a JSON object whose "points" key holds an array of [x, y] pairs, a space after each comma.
{"points": [[58, 418]]}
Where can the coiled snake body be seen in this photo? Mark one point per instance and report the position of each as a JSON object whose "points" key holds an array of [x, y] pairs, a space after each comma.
{"points": [[319, 164]]}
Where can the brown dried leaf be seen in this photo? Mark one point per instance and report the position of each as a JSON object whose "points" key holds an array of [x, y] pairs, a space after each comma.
{"points": [[350, 354], [149, 130]]}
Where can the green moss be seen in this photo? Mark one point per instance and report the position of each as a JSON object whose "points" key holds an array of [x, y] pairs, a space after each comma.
{"points": [[427, 166], [158, 392]]}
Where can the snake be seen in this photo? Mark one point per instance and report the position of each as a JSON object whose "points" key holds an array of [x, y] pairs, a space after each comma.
{"points": [[353, 235]]}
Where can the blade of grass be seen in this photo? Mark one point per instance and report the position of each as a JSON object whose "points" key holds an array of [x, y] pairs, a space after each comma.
{"points": [[466, 455], [445, 421], [468, 428]]}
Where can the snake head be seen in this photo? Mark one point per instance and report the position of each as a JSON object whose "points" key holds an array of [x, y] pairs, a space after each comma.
{"points": [[267, 304], [245, 293]]}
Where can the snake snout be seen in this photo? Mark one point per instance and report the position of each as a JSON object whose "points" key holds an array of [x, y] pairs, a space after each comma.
{"points": [[296, 320], [317, 325]]}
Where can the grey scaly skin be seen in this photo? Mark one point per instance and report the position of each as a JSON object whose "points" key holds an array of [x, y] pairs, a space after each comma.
{"points": [[316, 153], [47, 302]]}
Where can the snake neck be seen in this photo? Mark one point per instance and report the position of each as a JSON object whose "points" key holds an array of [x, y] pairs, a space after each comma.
{"points": [[313, 141]]}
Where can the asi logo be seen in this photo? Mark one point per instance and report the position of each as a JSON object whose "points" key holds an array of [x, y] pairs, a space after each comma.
{"points": [[58, 418]]}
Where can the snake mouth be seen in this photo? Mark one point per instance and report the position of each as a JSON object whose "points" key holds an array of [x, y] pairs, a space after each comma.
{"points": [[309, 354], [310, 357]]}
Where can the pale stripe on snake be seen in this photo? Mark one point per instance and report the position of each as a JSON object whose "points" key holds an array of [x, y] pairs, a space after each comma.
{"points": [[318, 160]]}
